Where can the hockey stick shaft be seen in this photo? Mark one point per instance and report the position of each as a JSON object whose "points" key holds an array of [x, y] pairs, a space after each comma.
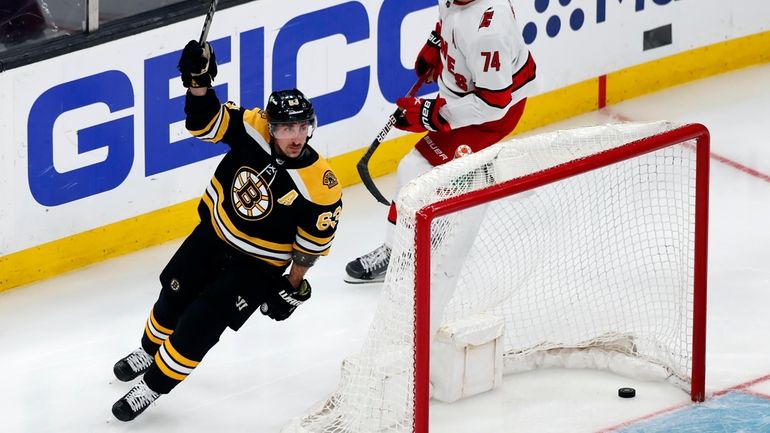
{"points": [[363, 163], [207, 23]]}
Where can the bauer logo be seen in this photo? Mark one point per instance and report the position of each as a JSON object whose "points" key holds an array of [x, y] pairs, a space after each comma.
{"points": [[552, 18]]}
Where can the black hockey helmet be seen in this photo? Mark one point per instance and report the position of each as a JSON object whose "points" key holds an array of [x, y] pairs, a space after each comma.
{"points": [[289, 106]]}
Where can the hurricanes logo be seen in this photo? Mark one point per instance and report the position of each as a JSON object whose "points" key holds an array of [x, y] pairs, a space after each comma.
{"points": [[486, 20], [251, 196], [330, 180]]}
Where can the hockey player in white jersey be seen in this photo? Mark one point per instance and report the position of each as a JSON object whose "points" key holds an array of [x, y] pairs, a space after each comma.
{"points": [[484, 72]]}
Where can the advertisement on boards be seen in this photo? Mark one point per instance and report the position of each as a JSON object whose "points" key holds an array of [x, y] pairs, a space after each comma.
{"points": [[97, 136]]}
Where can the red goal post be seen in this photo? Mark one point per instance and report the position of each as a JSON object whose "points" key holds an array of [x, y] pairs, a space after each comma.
{"points": [[427, 214], [582, 248]]}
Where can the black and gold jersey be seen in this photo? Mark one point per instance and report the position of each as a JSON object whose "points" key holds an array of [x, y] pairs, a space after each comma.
{"points": [[257, 202]]}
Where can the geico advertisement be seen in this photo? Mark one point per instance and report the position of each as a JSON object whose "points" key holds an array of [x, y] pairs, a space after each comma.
{"points": [[97, 136]]}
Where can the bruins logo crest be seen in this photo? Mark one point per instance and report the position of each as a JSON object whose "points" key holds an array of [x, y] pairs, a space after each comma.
{"points": [[251, 197], [330, 180]]}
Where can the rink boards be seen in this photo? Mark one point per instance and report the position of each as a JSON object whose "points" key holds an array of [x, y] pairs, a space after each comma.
{"points": [[96, 161]]}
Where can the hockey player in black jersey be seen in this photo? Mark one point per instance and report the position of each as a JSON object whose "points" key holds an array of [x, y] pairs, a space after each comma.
{"points": [[273, 204]]}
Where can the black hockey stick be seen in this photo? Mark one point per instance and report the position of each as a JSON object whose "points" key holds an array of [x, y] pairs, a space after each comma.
{"points": [[207, 23], [363, 163]]}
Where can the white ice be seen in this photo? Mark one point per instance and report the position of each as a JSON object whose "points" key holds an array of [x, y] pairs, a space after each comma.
{"points": [[60, 337]]}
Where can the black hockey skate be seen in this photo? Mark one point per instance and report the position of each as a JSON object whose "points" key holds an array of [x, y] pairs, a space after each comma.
{"points": [[369, 268], [135, 402], [133, 365]]}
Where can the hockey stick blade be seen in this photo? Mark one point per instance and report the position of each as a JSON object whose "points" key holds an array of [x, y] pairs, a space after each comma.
{"points": [[207, 23], [363, 163]]}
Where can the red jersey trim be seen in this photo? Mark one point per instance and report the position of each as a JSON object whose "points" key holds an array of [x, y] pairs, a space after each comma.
{"points": [[525, 74], [495, 98]]}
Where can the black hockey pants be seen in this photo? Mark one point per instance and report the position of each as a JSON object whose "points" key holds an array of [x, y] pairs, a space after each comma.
{"points": [[206, 287]]}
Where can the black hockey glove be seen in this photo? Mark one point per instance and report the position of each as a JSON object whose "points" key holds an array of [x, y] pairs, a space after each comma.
{"points": [[198, 65], [282, 301], [420, 115]]}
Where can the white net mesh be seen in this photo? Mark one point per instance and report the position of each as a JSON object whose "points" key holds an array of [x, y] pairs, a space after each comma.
{"points": [[602, 261]]}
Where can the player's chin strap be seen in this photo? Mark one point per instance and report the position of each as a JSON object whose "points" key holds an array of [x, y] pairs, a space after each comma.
{"points": [[282, 159], [363, 163]]}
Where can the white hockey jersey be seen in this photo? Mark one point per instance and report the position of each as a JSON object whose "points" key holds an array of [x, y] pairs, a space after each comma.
{"points": [[486, 65]]}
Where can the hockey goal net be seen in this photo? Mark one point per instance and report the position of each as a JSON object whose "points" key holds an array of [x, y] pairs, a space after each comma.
{"points": [[589, 241]]}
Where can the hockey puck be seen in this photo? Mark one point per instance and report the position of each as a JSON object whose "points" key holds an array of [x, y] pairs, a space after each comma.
{"points": [[626, 392]]}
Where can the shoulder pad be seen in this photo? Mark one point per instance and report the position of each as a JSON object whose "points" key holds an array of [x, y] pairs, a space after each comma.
{"points": [[318, 183]]}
